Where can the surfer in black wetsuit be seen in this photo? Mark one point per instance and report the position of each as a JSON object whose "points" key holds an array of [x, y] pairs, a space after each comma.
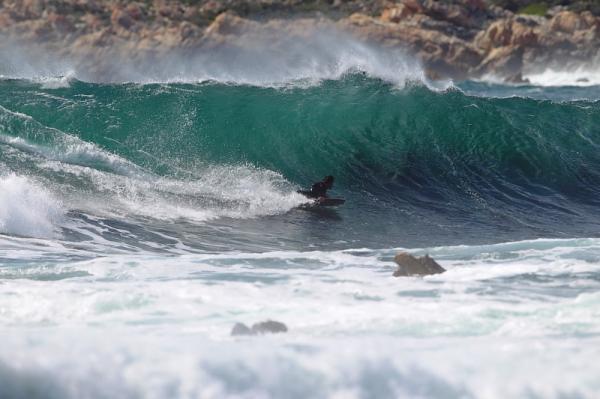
{"points": [[319, 189]]}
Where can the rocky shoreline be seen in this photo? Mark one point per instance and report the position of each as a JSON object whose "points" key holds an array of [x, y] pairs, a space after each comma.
{"points": [[452, 39]]}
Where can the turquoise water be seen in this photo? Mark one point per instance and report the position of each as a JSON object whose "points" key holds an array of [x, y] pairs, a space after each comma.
{"points": [[139, 222], [417, 166]]}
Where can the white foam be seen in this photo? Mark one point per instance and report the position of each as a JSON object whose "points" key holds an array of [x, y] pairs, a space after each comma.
{"points": [[476, 296], [58, 145], [135, 364], [214, 192], [27, 209], [57, 82], [355, 331], [237, 191], [579, 76]]}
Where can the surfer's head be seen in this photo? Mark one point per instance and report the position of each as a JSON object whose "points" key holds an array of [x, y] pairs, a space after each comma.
{"points": [[328, 180]]}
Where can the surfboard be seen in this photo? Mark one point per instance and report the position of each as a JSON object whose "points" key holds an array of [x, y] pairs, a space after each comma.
{"points": [[329, 201], [321, 201]]}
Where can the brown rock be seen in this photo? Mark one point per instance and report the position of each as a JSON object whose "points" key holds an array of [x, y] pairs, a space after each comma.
{"points": [[503, 62], [522, 35], [506, 32], [101, 38], [568, 22], [453, 13], [415, 6], [229, 24], [464, 56], [91, 22], [121, 19], [358, 19], [590, 20], [135, 11], [191, 13], [478, 5], [93, 6], [409, 265], [38, 30], [396, 14], [32, 8], [498, 34], [211, 8], [188, 30], [172, 10], [60, 22], [5, 20]]}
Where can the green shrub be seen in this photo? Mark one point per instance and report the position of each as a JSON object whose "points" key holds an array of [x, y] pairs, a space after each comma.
{"points": [[534, 9]]}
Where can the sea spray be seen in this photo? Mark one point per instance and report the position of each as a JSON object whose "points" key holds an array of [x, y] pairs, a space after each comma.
{"points": [[28, 209], [255, 58]]}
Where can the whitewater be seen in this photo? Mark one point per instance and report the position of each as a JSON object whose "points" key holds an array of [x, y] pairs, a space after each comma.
{"points": [[142, 217]]}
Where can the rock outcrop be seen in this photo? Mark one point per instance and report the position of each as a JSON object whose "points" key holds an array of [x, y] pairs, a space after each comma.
{"points": [[410, 265], [263, 327], [241, 329], [453, 39]]}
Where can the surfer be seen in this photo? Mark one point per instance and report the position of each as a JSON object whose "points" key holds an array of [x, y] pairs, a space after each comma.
{"points": [[319, 189]]}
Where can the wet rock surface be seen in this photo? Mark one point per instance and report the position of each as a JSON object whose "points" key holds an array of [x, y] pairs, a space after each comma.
{"points": [[410, 265], [263, 327]]}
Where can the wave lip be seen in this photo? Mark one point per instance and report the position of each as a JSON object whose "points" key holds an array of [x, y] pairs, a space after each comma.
{"points": [[27, 209], [273, 58]]}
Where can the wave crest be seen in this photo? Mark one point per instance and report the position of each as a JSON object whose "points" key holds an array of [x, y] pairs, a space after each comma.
{"points": [[265, 58], [27, 209]]}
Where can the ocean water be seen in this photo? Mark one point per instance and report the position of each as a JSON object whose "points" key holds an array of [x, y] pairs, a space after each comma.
{"points": [[140, 220]]}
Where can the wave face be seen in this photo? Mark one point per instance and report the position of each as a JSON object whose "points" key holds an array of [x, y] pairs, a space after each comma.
{"points": [[415, 165]]}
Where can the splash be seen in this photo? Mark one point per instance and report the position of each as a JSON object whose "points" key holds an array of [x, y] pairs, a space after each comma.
{"points": [[27, 209], [273, 57], [579, 77], [582, 74]]}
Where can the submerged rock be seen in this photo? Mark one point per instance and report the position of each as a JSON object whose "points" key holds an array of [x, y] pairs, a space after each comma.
{"points": [[263, 327], [410, 265], [241, 329], [269, 326]]}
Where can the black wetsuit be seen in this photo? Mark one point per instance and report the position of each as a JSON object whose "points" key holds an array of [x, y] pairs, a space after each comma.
{"points": [[316, 191]]}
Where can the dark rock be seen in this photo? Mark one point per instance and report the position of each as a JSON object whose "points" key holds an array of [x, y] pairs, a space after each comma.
{"points": [[121, 18], [241, 329], [263, 327], [269, 326], [503, 62], [517, 79], [410, 265]]}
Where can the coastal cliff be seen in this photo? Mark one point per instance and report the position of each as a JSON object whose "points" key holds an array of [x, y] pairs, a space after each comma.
{"points": [[457, 39]]}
